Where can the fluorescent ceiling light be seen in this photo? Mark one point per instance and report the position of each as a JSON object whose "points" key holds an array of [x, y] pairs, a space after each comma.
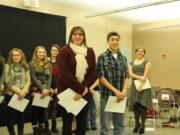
{"points": [[159, 27], [131, 8]]}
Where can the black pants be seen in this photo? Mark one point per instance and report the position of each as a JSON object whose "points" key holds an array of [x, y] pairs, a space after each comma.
{"points": [[37, 116], [140, 111], [12, 114], [52, 108], [81, 119]]}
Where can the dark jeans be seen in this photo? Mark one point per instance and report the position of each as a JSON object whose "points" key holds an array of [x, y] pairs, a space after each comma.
{"points": [[81, 119], [12, 114]]}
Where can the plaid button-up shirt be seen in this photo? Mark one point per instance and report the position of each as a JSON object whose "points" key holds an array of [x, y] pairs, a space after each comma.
{"points": [[115, 71]]}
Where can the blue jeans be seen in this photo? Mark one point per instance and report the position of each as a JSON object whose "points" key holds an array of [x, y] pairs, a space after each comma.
{"points": [[105, 117], [91, 117]]}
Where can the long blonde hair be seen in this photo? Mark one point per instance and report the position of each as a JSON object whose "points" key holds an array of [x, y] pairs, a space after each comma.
{"points": [[23, 61], [45, 61], [2, 60]]}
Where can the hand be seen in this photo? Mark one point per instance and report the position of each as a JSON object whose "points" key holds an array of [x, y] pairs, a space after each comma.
{"points": [[55, 91], [120, 95], [45, 92], [140, 87], [22, 94], [85, 91], [143, 79], [125, 93], [77, 97], [92, 91], [1, 87]]}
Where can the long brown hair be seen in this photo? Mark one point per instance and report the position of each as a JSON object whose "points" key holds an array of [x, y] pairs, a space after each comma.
{"points": [[45, 60], [56, 46], [23, 61], [74, 29]]}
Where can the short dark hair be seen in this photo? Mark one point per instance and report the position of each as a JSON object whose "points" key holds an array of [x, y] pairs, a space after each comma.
{"points": [[113, 33]]}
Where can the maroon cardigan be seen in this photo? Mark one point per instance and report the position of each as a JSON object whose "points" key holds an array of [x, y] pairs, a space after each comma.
{"points": [[67, 66]]}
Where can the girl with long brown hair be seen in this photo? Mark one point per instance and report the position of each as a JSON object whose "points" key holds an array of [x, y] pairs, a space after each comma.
{"points": [[17, 81]]}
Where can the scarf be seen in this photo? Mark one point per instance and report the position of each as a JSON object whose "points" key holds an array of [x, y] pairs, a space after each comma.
{"points": [[16, 76], [81, 63]]}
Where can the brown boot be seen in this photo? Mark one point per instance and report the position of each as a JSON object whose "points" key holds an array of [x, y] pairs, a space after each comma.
{"points": [[41, 129]]}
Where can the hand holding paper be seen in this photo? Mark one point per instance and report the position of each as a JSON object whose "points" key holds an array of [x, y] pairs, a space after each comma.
{"points": [[114, 106], [18, 104], [66, 99], [145, 85], [41, 102]]}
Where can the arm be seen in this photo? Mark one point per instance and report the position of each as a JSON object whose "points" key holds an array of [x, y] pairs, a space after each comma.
{"points": [[109, 86], [34, 78], [27, 84], [125, 86], [47, 89], [25, 89], [2, 80], [95, 84], [49, 79], [134, 75], [147, 69]]}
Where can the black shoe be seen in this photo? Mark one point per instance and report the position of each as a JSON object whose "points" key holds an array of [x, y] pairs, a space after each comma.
{"points": [[74, 131], [55, 130], [135, 130], [94, 128], [87, 128], [47, 132], [141, 131]]}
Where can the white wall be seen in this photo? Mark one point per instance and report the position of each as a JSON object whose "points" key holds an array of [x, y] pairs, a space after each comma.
{"points": [[96, 28]]}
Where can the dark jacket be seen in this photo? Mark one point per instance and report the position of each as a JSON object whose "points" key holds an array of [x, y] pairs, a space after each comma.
{"points": [[67, 66]]}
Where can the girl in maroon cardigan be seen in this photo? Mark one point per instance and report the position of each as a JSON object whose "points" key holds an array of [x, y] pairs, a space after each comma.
{"points": [[77, 71]]}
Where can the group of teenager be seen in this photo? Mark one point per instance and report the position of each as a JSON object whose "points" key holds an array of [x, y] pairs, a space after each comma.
{"points": [[74, 66]]}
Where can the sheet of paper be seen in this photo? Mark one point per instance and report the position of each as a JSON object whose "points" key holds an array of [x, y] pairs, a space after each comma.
{"points": [[114, 106], [1, 99], [96, 98], [17, 104], [145, 86], [66, 100], [165, 96], [41, 102]]}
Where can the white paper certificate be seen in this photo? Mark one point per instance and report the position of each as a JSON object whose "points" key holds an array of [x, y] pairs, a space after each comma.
{"points": [[17, 104], [114, 106], [66, 99], [41, 102], [145, 86]]}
